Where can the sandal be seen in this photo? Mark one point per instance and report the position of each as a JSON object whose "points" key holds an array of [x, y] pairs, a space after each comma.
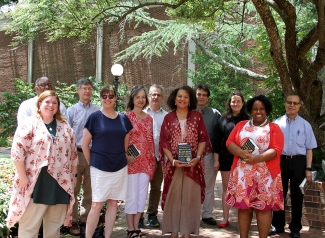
{"points": [[140, 234], [132, 234]]}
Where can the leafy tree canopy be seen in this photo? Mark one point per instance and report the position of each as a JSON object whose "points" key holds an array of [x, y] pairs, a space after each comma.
{"points": [[292, 48]]}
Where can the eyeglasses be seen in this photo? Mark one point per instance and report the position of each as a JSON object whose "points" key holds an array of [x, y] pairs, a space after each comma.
{"points": [[87, 89], [292, 103], [155, 95], [202, 95], [110, 96], [44, 85]]}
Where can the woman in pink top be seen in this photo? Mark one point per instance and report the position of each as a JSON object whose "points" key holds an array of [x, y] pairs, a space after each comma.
{"points": [[45, 157], [141, 168]]}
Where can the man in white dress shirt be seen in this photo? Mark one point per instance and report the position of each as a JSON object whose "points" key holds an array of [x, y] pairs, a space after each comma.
{"points": [[155, 110], [27, 108]]}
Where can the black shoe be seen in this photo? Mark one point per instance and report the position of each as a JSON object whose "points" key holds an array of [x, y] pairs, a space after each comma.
{"points": [[273, 231], [153, 221], [209, 221], [295, 234]]}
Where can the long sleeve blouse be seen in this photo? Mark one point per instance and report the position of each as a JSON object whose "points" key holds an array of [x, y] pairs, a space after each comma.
{"points": [[33, 145]]}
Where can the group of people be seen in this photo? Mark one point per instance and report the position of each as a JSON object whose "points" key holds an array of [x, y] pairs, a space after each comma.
{"points": [[55, 154]]}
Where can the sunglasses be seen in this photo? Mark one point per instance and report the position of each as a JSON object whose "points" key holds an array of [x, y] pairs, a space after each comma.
{"points": [[110, 96], [292, 103]]}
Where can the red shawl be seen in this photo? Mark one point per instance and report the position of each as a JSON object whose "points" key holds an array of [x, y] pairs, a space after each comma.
{"points": [[170, 137]]}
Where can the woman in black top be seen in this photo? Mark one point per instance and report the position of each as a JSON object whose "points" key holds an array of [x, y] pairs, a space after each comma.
{"points": [[235, 113]]}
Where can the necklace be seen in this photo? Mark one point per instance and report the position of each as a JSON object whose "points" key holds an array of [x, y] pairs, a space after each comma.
{"points": [[263, 124], [49, 126]]}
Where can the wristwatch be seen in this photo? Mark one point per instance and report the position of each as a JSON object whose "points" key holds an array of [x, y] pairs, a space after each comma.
{"points": [[199, 157], [75, 175], [309, 169]]}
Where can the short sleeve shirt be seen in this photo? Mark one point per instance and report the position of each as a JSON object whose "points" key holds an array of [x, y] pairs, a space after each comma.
{"points": [[108, 151]]}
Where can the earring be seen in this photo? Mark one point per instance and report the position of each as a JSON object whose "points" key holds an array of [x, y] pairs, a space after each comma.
{"points": [[175, 103]]}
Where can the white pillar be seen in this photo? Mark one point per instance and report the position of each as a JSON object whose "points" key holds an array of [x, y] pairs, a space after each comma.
{"points": [[30, 61], [99, 53], [190, 64]]}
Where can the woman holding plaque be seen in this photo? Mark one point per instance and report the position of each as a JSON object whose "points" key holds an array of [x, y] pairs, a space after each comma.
{"points": [[235, 112], [255, 177], [107, 132], [141, 169], [184, 185]]}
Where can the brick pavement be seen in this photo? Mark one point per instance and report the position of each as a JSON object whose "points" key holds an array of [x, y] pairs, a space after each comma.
{"points": [[206, 231]]}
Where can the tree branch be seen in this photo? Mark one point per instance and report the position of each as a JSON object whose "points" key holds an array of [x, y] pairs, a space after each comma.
{"points": [[241, 71], [276, 51]]}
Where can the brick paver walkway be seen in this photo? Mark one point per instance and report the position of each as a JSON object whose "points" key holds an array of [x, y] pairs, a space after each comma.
{"points": [[206, 231]]}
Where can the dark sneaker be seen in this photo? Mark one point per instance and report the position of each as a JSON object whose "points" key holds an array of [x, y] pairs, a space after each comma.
{"points": [[141, 223], [294, 234], [209, 221], [74, 229], [153, 221], [273, 231]]}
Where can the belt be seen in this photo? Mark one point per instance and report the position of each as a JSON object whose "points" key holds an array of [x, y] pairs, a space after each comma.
{"points": [[291, 156], [79, 149]]}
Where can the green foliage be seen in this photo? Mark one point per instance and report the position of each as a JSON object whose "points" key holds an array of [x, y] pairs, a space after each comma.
{"points": [[273, 91], [220, 81], [9, 107], [318, 157], [5, 2], [5, 142], [67, 94], [6, 179]]}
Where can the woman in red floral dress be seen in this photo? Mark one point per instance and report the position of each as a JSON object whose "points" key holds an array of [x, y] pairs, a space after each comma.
{"points": [[255, 178], [141, 168]]}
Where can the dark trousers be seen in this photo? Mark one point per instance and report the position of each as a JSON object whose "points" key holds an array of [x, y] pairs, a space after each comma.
{"points": [[293, 170], [155, 190]]}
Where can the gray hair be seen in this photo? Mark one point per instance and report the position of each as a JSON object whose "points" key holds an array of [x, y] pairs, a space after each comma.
{"points": [[84, 81], [157, 86]]}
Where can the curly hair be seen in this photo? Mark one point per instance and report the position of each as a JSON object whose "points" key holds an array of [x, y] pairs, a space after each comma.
{"points": [[229, 112], [58, 115], [172, 97], [266, 102], [134, 91]]}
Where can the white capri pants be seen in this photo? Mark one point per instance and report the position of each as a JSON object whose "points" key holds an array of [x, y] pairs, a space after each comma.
{"points": [[137, 193]]}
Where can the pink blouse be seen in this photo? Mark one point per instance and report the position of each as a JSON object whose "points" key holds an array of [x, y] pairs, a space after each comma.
{"points": [[142, 137], [33, 145]]}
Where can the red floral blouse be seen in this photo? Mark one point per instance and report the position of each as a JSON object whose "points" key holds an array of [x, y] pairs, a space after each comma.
{"points": [[142, 137]]}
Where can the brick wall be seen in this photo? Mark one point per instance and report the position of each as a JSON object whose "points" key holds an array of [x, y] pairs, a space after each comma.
{"points": [[313, 207], [67, 60]]}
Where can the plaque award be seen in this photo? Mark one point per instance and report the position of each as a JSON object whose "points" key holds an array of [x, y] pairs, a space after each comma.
{"points": [[184, 152]]}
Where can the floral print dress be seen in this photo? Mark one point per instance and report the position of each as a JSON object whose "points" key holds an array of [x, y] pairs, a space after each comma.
{"points": [[252, 186]]}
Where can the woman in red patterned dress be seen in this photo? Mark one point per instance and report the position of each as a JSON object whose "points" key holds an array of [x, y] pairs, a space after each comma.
{"points": [[255, 178], [141, 168], [184, 185]]}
